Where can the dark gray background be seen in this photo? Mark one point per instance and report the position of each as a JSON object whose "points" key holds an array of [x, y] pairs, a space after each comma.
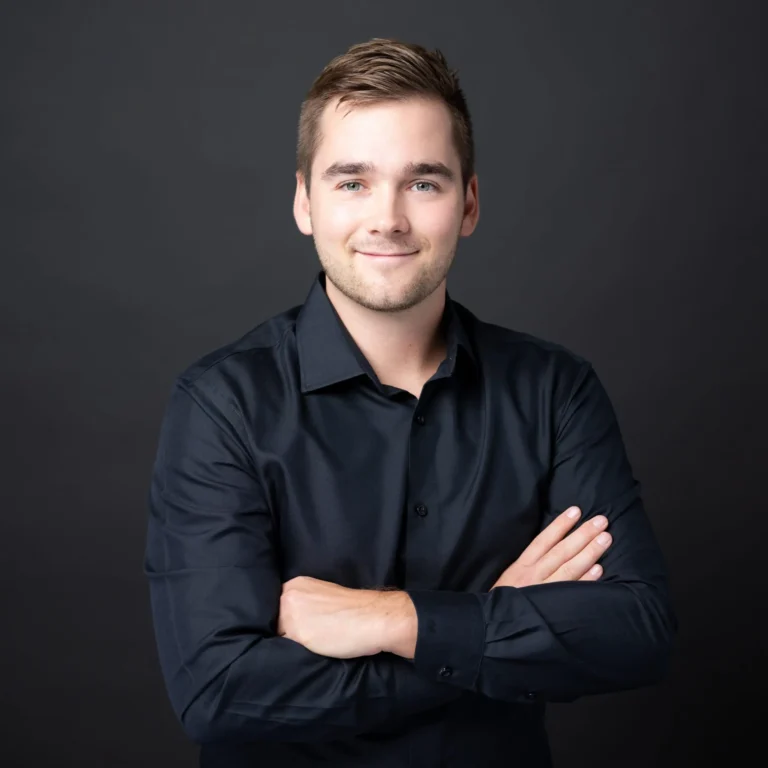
{"points": [[147, 161]]}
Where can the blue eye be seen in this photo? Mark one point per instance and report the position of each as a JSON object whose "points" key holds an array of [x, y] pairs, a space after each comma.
{"points": [[345, 186]]}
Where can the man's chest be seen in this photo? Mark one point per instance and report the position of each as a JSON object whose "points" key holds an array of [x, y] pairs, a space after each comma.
{"points": [[443, 492]]}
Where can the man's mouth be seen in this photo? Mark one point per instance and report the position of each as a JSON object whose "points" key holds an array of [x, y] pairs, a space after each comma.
{"points": [[384, 255]]}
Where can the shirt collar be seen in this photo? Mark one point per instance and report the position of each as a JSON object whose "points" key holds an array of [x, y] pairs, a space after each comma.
{"points": [[328, 353]]}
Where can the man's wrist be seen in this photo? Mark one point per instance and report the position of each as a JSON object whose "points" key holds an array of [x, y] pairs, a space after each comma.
{"points": [[398, 623]]}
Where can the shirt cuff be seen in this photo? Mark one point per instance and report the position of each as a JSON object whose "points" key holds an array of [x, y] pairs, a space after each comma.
{"points": [[450, 642]]}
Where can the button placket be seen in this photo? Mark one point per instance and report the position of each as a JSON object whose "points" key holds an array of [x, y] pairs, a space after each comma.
{"points": [[419, 541]]}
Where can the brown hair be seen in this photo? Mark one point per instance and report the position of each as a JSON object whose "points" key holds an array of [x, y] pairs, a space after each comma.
{"points": [[385, 70]]}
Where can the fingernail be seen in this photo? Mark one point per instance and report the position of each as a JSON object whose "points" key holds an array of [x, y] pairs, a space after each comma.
{"points": [[595, 570], [603, 538], [599, 521], [573, 512]]}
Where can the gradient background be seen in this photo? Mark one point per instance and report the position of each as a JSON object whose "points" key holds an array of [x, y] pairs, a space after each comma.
{"points": [[146, 184]]}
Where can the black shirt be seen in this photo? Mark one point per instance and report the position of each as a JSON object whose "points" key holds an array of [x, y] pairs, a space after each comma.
{"points": [[282, 455]]}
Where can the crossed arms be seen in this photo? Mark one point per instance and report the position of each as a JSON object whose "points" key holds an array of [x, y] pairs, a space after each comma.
{"points": [[345, 623], [546, 630]]}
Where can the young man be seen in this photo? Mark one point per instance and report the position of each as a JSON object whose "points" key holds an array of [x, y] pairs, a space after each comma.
{"points": [[361, 547]]}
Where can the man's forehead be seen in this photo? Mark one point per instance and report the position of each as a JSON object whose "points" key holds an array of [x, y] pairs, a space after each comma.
{"points": [[334, 151]]}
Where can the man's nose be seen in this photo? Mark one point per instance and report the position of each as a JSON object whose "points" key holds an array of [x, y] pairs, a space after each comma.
{"points": [[387, 213]]}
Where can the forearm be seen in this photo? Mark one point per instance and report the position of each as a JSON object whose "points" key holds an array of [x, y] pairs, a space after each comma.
{"points": [[215, 590], [229, 683], [552, 642], [399, 624], [279, 690]]}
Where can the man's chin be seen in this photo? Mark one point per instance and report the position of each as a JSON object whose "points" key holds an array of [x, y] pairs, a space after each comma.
{"points": [[369, 292], [387, 301]]}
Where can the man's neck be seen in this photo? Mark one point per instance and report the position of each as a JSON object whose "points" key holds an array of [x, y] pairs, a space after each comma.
{"points": [[404, 348]]}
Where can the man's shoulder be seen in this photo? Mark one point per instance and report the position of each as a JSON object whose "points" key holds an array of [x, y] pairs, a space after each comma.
{"points": [[510, 346], [253, 357], [224, 367]]}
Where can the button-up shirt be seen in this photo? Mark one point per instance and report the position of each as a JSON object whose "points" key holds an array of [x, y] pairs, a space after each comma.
{"points": [[282, 454]]}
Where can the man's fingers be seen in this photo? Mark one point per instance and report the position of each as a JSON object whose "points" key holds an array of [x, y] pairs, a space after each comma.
{"points": [[550, 536], [557, 555], [572, 545], [581, 563], [593, 574]]}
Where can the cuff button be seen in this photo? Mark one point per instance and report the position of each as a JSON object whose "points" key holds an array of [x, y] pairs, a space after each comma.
{"points": [[446, 672]]}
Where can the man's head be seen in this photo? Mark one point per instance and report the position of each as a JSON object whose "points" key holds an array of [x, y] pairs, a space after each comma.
{"points": [[385, 164]]}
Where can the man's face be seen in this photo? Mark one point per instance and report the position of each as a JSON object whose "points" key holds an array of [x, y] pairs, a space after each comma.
{"points": [[388, 204]]}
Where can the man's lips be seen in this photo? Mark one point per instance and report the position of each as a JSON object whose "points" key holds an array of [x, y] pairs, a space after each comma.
{"points": [[370, 253]]}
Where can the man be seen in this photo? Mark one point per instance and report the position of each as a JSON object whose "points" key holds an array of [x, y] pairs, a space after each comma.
{"points": [[375, 519]]}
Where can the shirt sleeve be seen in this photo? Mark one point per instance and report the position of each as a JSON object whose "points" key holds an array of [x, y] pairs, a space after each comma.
{"points": [[562, 640], [214, 582]]}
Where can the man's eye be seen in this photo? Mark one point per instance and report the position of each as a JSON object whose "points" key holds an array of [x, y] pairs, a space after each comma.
{"points": [[432, 187]]}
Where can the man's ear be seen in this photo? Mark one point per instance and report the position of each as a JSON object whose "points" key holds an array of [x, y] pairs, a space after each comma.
{"points": [[471, 208], [301, 206]]}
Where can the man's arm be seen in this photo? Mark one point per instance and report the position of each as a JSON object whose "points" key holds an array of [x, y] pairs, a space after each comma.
{"points": [[215, 587], [558, 641]]}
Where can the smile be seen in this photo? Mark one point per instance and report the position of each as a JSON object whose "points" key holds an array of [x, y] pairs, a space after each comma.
{"points": [[388, 255]]}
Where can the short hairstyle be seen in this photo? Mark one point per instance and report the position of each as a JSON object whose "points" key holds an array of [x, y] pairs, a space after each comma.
{"points": [[383, 70]]}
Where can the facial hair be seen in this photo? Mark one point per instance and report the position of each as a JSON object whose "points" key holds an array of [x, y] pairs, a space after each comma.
{"points": [[347, 279]]}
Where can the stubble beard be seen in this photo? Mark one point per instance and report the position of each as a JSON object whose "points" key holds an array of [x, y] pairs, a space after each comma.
{"points": [[347, 280]]}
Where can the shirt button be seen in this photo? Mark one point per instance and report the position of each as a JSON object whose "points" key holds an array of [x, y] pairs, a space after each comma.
{"points": [[421, 420], [530, 695], [446, 672], [421, 510]]}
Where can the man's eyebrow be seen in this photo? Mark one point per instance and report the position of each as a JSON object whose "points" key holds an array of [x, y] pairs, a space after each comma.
{"points": [[412, 169]]}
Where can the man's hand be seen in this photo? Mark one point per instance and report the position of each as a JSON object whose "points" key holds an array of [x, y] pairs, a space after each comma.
{"points": [[335, 621], [548, 558], [345, 623]]}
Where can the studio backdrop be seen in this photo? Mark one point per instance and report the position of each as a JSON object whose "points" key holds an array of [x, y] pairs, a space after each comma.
{"points": [[147, 161]]}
